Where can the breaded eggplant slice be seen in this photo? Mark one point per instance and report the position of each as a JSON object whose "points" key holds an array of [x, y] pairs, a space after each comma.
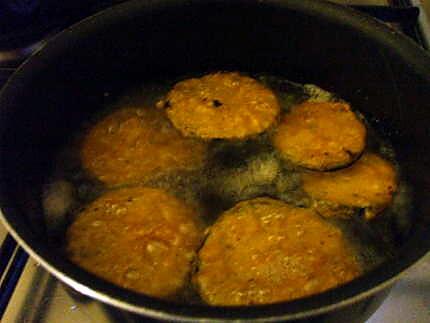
{"points": [[140, 238], [132, 145], [368, 183], [320, 135], [221, 105], [265, 251]]}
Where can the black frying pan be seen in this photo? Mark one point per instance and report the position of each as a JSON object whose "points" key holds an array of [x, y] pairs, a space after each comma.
{"points": [[379, 71]]}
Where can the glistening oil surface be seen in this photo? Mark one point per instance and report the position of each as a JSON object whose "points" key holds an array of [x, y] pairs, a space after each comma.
{"points": [[235, 170]]}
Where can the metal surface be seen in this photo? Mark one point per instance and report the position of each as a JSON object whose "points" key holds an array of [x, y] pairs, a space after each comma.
{"points": [[39, 297], [423, 20]]}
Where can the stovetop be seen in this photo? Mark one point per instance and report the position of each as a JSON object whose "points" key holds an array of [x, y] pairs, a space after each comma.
{"points": [[28, 293]]}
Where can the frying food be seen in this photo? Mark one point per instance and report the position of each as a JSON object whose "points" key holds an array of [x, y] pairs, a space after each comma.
{"points": [[221, 105], [139, 238], [369, 183], [214, 143], [265, 251], [320, 135], [132, 145]]}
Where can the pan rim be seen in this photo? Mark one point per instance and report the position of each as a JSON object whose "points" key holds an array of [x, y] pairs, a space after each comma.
{"points": [[108, 293]]}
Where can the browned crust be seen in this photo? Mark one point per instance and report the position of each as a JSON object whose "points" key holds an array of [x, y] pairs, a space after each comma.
{"points": [[265, 251], [320, 135], [133, 145], [222, 105], [140, 238], [369, 183]]}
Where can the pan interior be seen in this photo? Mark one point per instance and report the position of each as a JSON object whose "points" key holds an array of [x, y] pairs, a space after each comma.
{"points": [[64, 84]]}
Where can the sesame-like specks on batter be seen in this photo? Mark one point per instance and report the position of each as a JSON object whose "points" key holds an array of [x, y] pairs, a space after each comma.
{"points": [[369, 183], [218, 190], [320, 135], [122, 238], [221, 105], [136, 145], [265, 251]]}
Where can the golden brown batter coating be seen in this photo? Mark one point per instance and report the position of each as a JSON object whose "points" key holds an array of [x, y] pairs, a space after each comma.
{"points": [[222, 105], [265, 251], [132, 145], [320, 135], [368, 183], [140, 238]]}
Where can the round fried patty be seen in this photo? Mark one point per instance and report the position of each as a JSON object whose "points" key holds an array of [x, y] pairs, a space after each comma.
{"points": [[140, 238], [132, 145], [221, 105], [368, 183], [264, 251], [320, 135]]}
